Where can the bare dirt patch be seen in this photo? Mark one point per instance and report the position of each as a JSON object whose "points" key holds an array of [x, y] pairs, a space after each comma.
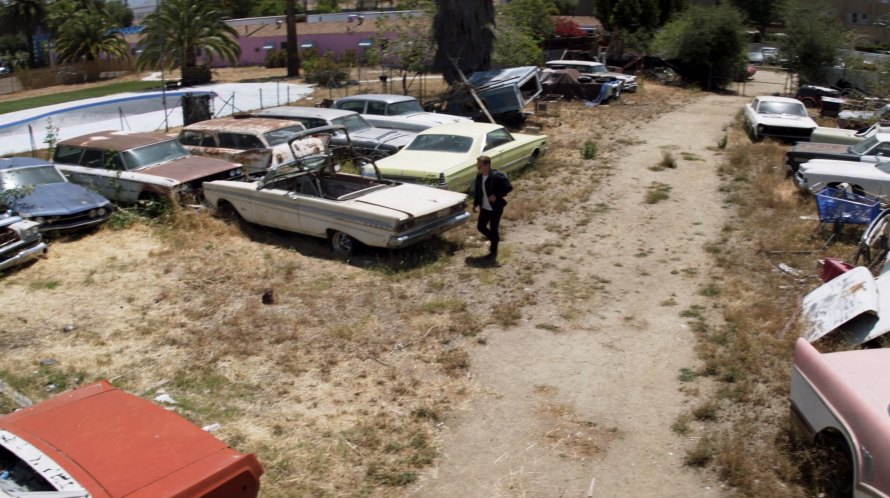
{"points": [[411, 372]]}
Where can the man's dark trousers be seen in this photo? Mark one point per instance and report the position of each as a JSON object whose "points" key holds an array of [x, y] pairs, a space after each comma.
{"points": [[488, 224]]}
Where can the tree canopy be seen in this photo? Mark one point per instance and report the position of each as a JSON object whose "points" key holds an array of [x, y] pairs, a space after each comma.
{"points": [[708, 42], [814, 35]]}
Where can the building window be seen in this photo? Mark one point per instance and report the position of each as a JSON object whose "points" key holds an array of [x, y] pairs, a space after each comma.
{"points": [[854, 17]]}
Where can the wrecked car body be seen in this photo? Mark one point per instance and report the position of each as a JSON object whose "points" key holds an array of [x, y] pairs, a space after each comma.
{"points": [[854, 304], [256, 143], [20, 241], [505, 93], [312, 197]]}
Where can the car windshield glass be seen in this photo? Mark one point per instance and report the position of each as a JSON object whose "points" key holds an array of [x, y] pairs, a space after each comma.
{"points": [[22, 177], [353, 123], [280, 136], [406, 107], [153, 154], [865, 145], [792, 108], [441, 143]]}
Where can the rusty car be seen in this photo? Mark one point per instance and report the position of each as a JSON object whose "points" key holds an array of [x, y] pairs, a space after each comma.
{"points": [[256, 143], [98, 441], [131, 167]]}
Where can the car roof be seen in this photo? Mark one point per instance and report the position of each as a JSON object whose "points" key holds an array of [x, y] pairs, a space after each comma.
{"points": [[574, 62], [378, 97], [18, 162], [303, 112], [461, 129], [116, 140], [242, 124]]}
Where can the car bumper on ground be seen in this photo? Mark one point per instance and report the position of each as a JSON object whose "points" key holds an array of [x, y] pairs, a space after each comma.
{"points": [[22, 254], [425, 232]]}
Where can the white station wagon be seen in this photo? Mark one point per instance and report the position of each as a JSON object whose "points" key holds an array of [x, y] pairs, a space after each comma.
{"points": [[310, 196]]}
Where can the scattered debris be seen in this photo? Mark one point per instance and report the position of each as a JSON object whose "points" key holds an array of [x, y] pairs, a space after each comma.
{"points": [[268, 296], [166, 399], [212, 427], [48, 362], [50, 387], [69, 328], [789, 270]]}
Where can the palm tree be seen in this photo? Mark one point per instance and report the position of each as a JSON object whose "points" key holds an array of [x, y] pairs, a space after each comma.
{"points": [[26, 16], [174, 33], [88, 35]]}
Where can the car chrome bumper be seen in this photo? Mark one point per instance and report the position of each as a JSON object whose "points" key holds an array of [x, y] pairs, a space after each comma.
{"points": [[419, 234], [63, 227], [24, 255]]}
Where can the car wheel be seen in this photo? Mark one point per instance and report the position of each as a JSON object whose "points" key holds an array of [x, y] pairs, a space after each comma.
{"points": [[227, 212], [834, 476], [808, 101], [342, 245], [533, 159]]}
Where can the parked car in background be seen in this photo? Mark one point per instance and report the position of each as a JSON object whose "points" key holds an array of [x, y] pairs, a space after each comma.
{"points": [[367, 140], [873, 149], [100, 442], [755, 57], [862, 177], [811, 95], [828, 135], [34, 189], [445, 156], [20, 241], [400, 112], [310, 196], [860, 119], [255, 143], [781, 118], [131, 167], [840, 402], [628, 81]]}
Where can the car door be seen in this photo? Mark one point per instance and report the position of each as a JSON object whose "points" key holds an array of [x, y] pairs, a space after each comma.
{"points": [[501, 147], [277, 205]]}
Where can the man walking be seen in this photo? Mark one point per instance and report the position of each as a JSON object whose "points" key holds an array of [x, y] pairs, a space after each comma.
{"points": [[491, 188]]}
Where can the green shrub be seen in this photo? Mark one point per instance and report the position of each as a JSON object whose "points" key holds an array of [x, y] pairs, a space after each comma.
{"points": [[276, 58], [324, 70], [589, 150]]}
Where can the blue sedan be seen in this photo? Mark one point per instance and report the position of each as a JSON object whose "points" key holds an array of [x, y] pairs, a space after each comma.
{"points": [[36, 190]]}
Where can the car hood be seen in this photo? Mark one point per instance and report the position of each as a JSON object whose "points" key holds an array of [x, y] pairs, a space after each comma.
{"points": [[420, 161], [414, 200], [381, 136], [855, 114], [57, 199], [836, 167], [808, 148], [186, 169], [434, 118]]}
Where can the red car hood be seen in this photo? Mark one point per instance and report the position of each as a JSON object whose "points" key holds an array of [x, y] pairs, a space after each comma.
{"points": [[115, 444], [189, 168]]}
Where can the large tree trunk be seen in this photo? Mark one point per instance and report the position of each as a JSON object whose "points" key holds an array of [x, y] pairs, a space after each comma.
{"points": [[464, 31]]}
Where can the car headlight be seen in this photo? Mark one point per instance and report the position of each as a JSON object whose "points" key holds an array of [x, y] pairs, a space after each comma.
{"points": [[101, 211], [760, 128], [235, 172], [30, 233], [93, 213]]}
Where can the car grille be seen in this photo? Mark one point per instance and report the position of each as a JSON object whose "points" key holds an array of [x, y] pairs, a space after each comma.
{"points": [[786, 132], [8, 236], [57, 222]]}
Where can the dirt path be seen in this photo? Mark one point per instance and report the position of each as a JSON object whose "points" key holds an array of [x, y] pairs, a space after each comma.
{"points": [[567, 407]]}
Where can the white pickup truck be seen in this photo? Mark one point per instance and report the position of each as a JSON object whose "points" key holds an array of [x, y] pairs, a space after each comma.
{"points": [[842, 402]]}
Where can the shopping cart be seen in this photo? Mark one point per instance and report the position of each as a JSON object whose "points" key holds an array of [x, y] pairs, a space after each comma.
{"points": [[841, 206]]}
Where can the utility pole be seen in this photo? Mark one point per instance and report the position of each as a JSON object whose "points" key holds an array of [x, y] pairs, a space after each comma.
{"points": [[293, 54]]}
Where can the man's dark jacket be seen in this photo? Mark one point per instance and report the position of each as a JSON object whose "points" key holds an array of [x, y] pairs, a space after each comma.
{"points": [[498, 184]]}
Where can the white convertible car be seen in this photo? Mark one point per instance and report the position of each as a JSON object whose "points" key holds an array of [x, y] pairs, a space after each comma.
{"points": [[781, 118], [310, 196]]}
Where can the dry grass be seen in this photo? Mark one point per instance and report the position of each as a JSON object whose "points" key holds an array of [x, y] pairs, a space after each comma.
{"points": [[340, 386], [748, 349]]}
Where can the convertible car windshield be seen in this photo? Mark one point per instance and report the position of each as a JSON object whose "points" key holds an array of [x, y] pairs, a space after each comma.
{"points": [[864, 146], [791, 108], [281, 135], [153, 154], [41, 175], [441, 143]]}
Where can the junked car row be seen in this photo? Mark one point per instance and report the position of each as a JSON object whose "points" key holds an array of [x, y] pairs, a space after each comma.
{"points": [[839, 400], [280, 167]]}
